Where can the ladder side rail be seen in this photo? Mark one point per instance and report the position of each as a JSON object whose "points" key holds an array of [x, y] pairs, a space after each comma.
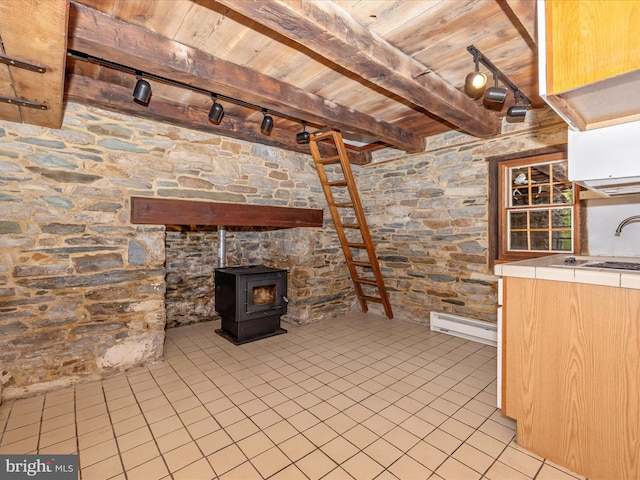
{"points": [[364, 229], [337, 221]]}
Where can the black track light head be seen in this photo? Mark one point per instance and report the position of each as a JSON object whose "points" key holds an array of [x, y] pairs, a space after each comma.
{"points": [[142, 92], [303, 136], [267, 123], [476, 81], [217, 111], [495, 94], [517, 111]]}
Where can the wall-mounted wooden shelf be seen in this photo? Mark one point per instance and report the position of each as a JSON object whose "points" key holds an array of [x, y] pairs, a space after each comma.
{"points": [[161, 211]]}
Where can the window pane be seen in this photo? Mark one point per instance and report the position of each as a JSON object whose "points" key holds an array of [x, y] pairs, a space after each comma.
{"points": [[540, 173], [541, 195], [560, 171], [540, 241], [562, 241], [563, 193], [520, 176], [561, 218], [520, 196], [518, 220], [540, 219], [518, 241]]}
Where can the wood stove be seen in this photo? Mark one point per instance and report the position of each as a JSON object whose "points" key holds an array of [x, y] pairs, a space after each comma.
{"points": [[250, 301]]}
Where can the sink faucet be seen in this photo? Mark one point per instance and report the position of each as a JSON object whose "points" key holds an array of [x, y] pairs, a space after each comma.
{"points": [[625, 222]]}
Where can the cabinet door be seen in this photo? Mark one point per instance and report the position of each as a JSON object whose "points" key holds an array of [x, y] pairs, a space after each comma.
{"points": [[573, 374], [590, 40]]}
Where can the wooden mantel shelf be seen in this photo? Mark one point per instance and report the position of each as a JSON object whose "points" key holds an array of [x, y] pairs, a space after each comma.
{"points": [[160, 211]]}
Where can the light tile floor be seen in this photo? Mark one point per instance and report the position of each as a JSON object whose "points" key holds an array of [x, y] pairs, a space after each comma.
{"points": [[357, 397]]}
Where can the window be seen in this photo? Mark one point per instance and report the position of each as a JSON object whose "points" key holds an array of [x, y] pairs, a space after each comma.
{"points": [[537, 208]]}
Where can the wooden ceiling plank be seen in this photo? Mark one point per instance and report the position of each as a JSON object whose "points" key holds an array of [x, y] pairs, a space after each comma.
{"points": [[160, 16], [36, 31], [333, 33], [100, 35]]}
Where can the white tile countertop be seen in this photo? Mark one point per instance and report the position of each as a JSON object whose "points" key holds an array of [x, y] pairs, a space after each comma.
{"points": [[553, 267]]}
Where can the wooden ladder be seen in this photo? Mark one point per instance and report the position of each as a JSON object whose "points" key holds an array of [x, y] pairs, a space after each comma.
{"points": [[348, 217]]}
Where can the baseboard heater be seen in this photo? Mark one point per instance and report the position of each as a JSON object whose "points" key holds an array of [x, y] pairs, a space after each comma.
{"points": [[476, 330]]}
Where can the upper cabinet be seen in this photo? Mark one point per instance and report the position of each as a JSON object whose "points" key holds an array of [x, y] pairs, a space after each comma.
{"points": [[589, 60]]}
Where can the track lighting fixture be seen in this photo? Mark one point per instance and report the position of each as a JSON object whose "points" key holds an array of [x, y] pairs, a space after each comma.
{"points": [[142, 92], [303, 136], [495, 94], [476, 81], [217, 111], [267, 123], [517, 111]]}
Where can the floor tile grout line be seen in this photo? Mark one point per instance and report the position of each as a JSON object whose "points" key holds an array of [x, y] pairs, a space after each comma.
{"points": [[456, 369]]}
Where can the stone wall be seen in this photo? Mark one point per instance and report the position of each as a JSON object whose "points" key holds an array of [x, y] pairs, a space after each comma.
{"points": [[429, 217], [319, 283], [191, 260], [82, 290]]}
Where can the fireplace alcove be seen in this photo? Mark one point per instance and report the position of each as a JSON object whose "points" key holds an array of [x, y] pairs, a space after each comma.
{"points": [[199, 222]]}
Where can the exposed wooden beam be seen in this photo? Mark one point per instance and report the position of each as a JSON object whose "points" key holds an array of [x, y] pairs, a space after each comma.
{"points": [[103, 36], [327, 29], [116, 98], [108, 96], [164, 211], [34, 31], [524, 12]]}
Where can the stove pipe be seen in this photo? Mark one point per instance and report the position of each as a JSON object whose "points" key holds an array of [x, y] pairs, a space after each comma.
{"points": [[222, 246]]}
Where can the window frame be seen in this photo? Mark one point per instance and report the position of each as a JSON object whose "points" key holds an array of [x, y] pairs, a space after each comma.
{"points": [[498, 232]]}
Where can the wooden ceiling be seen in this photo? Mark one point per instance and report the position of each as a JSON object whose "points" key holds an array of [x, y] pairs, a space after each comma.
{"points": [[384, 72]]}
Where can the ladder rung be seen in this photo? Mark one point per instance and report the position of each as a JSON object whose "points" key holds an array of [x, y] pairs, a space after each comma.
{"points": [[372, 299], [321, 136], [330, 160], [369, 285], [361, 264], [366, 281]]}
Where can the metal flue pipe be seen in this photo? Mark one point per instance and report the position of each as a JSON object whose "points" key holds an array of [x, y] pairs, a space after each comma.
{"points": [[222, 247]]}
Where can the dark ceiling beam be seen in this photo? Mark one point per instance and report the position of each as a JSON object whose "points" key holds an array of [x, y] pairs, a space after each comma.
{"points": [[524, 12], [92, 92], [523, 15], [327, 29], [102, 36]]}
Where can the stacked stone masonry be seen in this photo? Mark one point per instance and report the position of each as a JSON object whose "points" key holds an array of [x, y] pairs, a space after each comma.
{"points": [[84, 293]]}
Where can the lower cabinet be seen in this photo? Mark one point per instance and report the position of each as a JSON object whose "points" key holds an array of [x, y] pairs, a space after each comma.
{"points": [[571, 374]]}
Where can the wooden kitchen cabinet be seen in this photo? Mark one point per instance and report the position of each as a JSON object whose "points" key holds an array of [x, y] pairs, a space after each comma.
{"points": [[589, 60], [571, 374]]}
